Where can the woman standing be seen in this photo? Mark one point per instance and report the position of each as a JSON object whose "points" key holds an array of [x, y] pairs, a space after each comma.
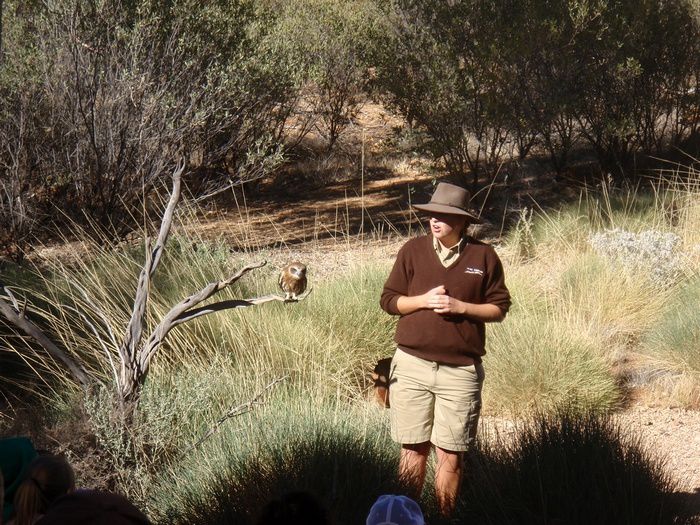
{"points": [[445, 286]]}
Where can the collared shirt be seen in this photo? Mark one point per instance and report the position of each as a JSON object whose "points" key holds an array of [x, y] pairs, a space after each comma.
{"points": [[448, 255]]}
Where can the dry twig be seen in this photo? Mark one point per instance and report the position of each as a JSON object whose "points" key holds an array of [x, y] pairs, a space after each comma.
{"points": [[237, 411]]}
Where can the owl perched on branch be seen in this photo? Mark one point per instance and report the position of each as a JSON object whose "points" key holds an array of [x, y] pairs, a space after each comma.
{"points": [[293, 280]]}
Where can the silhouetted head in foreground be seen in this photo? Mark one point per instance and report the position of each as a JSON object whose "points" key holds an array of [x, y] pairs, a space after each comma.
{"points": [[47, 479], [85, 507], [295, 508]]}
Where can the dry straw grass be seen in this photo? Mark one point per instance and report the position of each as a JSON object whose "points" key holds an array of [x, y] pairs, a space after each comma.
{"points": [[575, 318]]}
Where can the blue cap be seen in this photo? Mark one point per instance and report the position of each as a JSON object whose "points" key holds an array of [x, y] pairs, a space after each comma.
{"points": [[395, 510]]}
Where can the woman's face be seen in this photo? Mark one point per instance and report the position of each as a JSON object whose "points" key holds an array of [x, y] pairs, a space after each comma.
{"points": [[447, 228]]}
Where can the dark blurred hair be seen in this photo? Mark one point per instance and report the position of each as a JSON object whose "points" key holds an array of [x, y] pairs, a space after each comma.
{"points": [[47, 479], [294, 508], [90, 507]]}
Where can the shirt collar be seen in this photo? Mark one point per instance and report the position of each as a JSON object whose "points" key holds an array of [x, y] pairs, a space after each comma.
{"points": [[447, 255]]}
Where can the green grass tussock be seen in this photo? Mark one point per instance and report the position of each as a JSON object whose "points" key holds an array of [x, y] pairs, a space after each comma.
{"points": [[676, 335], [538, 362], [614, 304], [580, 304], [547, 235], [339, 452], [673, 345], [326, 343], [570, 466]]}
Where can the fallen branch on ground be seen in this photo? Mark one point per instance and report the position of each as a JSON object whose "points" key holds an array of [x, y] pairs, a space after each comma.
{"points": [[237, 411]]}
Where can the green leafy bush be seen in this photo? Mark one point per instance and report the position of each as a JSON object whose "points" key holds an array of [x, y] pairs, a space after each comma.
{"points": [[99, 103], [617, 77]]}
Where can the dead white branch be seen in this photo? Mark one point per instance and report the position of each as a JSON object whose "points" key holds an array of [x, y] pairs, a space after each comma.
{"points": [[17, 316], [180, 309], [235, 303], [238, 411], [134, 329]]}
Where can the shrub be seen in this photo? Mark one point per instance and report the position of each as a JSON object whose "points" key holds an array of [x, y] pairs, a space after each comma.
{"points": [[634, 55], [568, 467], [437, 69], [674, 341], [539, 360], [332, 44], [340, 453], [99, 101], [649, 253]]}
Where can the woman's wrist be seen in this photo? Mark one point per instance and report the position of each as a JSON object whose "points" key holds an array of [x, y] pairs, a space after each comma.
{"points": [[461, 307]]}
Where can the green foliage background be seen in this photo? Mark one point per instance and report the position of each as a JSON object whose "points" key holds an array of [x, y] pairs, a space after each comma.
{"points": [[98, 100]]}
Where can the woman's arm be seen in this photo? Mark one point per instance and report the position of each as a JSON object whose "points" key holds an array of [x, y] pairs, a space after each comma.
{"points": [[441, 303], [446, 305], [408, 304]]}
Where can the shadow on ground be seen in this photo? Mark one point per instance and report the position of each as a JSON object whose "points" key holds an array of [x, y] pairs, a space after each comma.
{"points": [[295, 208]]}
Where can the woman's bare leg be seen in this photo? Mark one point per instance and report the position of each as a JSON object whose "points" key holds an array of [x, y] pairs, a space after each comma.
{"points": [[412, 465], [448, 474]]}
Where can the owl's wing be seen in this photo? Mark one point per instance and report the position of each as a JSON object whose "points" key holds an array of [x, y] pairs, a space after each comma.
{"points": [[280, 280]]}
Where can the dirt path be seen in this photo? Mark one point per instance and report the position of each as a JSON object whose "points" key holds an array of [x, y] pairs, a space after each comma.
{"points": [[672, 433]]}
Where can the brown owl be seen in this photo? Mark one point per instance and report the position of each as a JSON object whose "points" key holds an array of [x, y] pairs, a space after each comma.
{"points": [[293, 280]]}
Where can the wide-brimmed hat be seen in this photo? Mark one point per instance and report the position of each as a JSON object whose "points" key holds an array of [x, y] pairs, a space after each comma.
{"points": [[450, 199]]}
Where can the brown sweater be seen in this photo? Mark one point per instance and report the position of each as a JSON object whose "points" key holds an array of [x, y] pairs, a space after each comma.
{"points": [[475, 277]]}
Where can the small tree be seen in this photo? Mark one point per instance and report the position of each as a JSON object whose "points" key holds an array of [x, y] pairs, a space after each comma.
{"points": [[534, 47], [97, 101], [135, 354], [634, 59], [439, 72], [333, 45]]}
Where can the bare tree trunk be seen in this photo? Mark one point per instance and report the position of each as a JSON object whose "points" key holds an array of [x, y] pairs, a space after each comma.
{"points": [[18, 317], [130, 374]]}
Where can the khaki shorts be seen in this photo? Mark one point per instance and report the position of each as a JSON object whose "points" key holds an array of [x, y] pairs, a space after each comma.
{"points": [[434, 402]]}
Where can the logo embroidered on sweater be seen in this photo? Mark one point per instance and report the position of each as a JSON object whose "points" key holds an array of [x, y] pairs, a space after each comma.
{"points": [[474, 271]]}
